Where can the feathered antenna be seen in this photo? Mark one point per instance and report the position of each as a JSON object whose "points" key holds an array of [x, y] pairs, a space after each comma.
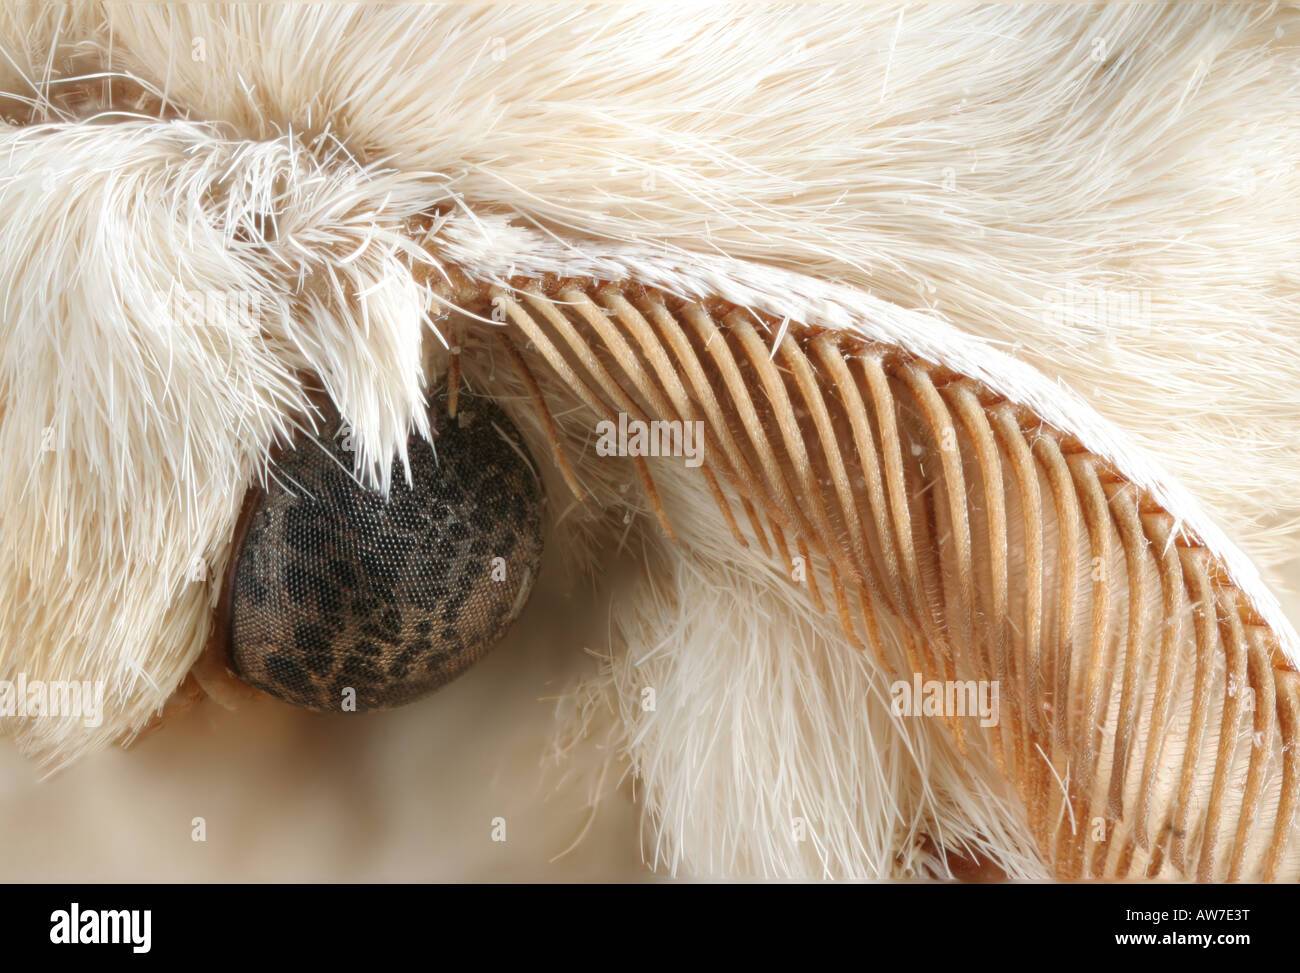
{"points": [[948, 516]]}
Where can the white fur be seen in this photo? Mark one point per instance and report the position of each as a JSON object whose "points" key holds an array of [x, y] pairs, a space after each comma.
{"points": [[973, 163]]}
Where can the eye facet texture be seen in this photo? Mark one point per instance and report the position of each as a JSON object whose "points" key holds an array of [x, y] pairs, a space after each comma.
{"points": [[337, 590]]}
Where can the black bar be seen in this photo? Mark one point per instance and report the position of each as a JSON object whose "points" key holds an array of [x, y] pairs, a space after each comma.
{"points": [[684, 921]]}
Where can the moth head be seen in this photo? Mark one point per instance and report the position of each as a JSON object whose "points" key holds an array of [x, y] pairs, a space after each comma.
{"points": [[340, 598]]}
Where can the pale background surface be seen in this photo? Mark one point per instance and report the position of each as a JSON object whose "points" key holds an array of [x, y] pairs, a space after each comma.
{"points": [[406, 795]]}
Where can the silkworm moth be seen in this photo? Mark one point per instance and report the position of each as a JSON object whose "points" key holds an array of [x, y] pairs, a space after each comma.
{"points": [[197, 243]]}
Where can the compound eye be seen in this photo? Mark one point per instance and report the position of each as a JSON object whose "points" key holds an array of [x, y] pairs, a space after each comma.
{"points": [[341, 598]]}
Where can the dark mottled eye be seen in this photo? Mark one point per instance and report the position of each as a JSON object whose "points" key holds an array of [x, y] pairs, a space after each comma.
{"points": [[335, 590]]}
